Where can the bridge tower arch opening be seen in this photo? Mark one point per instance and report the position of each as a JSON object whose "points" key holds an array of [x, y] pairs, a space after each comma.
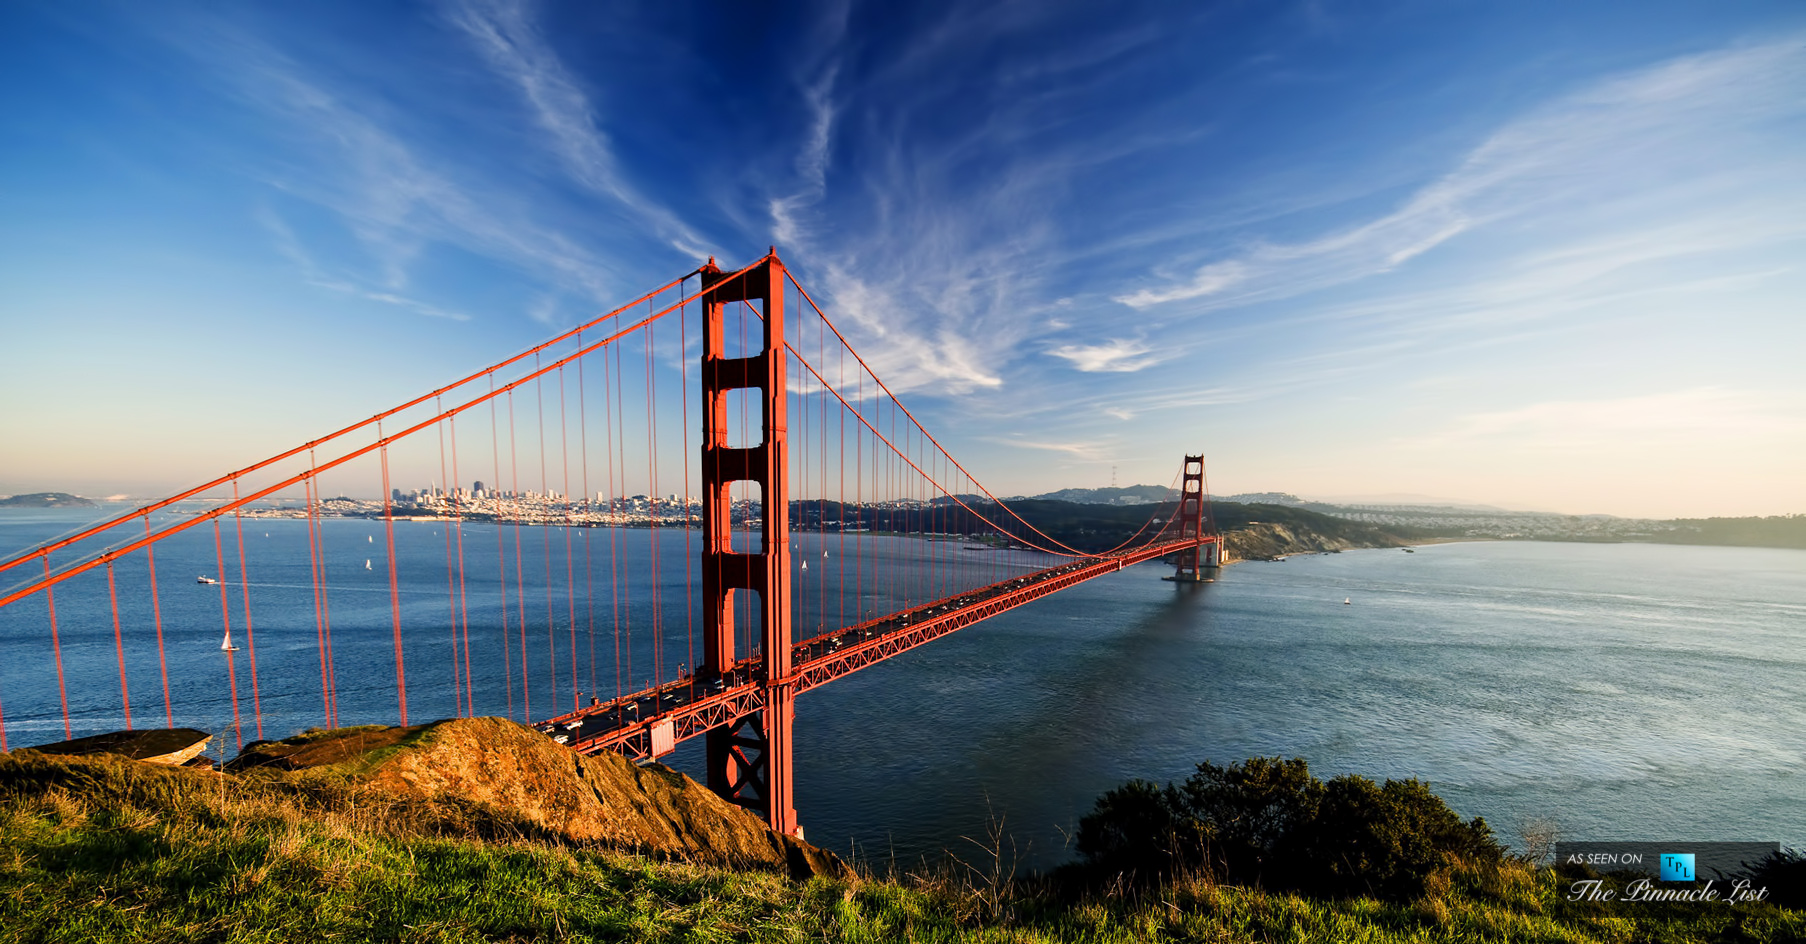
{"points": [[749, 760]]}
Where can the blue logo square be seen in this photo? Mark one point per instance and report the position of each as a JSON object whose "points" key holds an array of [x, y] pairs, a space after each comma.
{"points": [[1677, 866]]}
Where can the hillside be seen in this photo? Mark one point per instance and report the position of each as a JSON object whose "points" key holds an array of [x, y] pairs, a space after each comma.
{"points": [[355, 844], [513, 773], [1266, 530]]}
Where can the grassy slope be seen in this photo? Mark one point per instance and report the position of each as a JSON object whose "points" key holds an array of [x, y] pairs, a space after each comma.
{"points": [[103, 849]]}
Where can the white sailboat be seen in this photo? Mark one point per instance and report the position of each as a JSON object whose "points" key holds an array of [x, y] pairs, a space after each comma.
{"points": [[226, 644], [366, 563]]}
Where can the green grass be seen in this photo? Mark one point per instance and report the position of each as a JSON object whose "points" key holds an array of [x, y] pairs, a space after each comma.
{"points": [[106, 850]]}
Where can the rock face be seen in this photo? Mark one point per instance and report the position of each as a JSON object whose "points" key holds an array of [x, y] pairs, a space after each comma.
{"points": [[1266, 540], [503, 766], [175, 746]]}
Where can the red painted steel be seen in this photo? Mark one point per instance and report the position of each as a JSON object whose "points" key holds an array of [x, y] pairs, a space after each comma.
{"points": [[875, 640], [749, 756], [1198, 563], [743, 702], [313, 471]]}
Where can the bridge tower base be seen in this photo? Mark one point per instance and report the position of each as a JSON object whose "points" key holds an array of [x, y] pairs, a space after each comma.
{"points": [[1200, 562], [749, 759]]}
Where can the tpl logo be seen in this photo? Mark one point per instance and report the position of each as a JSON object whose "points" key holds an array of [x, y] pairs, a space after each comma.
{"points": [[1677, 867]]}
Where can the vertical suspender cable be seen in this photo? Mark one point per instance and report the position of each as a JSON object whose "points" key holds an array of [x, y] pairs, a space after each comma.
{"points": [[463, 614], [614, 536], [658, 633], [520, 580], [545, 537], [451, 586], [589, 573], [501, 549], [225, 613], [150, 556], [244, 596], [401, 675], [683, 371], [125, 696], [621, 446], [570, 567], [313, 562], [56, 646]]}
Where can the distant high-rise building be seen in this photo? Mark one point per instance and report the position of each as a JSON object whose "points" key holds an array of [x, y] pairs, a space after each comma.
{"points": [[477, 487]]}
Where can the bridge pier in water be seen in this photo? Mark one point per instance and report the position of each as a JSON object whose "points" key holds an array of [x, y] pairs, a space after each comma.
{"points": [[748, 759]]}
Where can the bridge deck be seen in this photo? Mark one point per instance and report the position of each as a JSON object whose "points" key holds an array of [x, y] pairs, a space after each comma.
{"points": [[694, 705]]}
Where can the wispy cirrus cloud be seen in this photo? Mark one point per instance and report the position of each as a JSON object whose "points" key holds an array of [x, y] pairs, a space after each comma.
{"points": [[928, 234], [1086, 451], [399, 194], [1603, 143], [812, 161], [509, 40], [290, 247]]}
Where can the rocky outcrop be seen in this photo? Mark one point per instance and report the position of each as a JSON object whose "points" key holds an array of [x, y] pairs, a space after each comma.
{"points": [[174, 746], [521, 775], [1266, 541]]}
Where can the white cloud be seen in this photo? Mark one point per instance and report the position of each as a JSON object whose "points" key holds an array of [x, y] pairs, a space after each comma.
{"points": [[1604, 143], [1121, 355], [811, 163]]}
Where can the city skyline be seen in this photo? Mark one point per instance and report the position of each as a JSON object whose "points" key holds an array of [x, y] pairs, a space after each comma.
{"points": [[1542, 257]]}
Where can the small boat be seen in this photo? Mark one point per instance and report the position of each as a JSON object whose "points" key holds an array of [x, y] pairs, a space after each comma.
{"points": [[226, 644], [366, 563], [205, 579], [1409, 551], [369, 539], [1348, 601], [805, 565]]}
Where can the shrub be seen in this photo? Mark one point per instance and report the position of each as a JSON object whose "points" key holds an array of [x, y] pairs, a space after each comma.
{"points": [[1267, 821], [1251, 814], [1135, 831], [1783, 873]]}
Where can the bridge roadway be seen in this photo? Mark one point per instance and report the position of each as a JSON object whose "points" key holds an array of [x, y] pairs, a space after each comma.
{"points": [[648, 723]]}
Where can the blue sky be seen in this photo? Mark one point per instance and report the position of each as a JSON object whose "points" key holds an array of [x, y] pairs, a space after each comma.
{"points": [[1536, 255]]}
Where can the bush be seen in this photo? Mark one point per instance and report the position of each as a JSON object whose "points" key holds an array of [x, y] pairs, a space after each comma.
{"points": [[1783, 873], [1134, 831], [1267, 821]]}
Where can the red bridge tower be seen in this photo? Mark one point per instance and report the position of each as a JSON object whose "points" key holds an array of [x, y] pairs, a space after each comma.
{"points": [[1198, 563], [749, 759]]}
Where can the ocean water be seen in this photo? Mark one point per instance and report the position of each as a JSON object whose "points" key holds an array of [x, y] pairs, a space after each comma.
{"points": [[1620, 692]]}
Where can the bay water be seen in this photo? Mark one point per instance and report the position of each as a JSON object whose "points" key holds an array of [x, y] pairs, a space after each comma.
{"points": [[1615, 692]]}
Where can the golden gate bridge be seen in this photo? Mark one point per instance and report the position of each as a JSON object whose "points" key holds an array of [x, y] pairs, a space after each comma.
{"points": [[798, 437]]}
